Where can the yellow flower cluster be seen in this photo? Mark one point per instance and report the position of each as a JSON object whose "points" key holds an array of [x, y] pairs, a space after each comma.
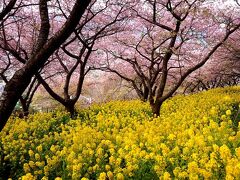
{"points": [[196, 137]]}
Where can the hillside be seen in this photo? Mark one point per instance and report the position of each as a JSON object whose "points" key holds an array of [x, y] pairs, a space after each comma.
{"points": [[196, 137]]}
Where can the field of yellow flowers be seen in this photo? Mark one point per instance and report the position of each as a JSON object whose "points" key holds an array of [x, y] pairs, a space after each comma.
{"points": [[196, 137]]}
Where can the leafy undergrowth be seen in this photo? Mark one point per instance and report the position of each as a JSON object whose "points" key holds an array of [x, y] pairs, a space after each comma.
{"points": [[196, 137]]}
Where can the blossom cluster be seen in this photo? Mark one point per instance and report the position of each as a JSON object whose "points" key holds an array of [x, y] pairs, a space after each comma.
{"points": [[196, 137]]}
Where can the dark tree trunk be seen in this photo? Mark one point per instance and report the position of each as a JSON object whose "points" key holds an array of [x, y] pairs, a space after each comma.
{"points": [[156, 108], [71, 109], [12, 92], [7, 9], [145, 94], [25, 107]]}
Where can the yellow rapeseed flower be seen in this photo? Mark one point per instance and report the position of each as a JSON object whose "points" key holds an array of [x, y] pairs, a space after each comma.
{"points": [[120, 176]]}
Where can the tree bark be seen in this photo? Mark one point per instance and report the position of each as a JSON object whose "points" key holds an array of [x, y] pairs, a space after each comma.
{"points": [[25, 107], [146, 93], [7, 9], [70, 107], [21, 79], [156, 108]]}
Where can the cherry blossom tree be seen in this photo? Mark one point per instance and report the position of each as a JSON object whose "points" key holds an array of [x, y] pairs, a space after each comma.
{"points": [[44, 47], [75, 55], [223, 69], [170, 40]]}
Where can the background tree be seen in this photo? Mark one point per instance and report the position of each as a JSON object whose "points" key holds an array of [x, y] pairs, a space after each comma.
{"points": [[176, 39], [143, 59], [75, 55], [220, 71]]}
